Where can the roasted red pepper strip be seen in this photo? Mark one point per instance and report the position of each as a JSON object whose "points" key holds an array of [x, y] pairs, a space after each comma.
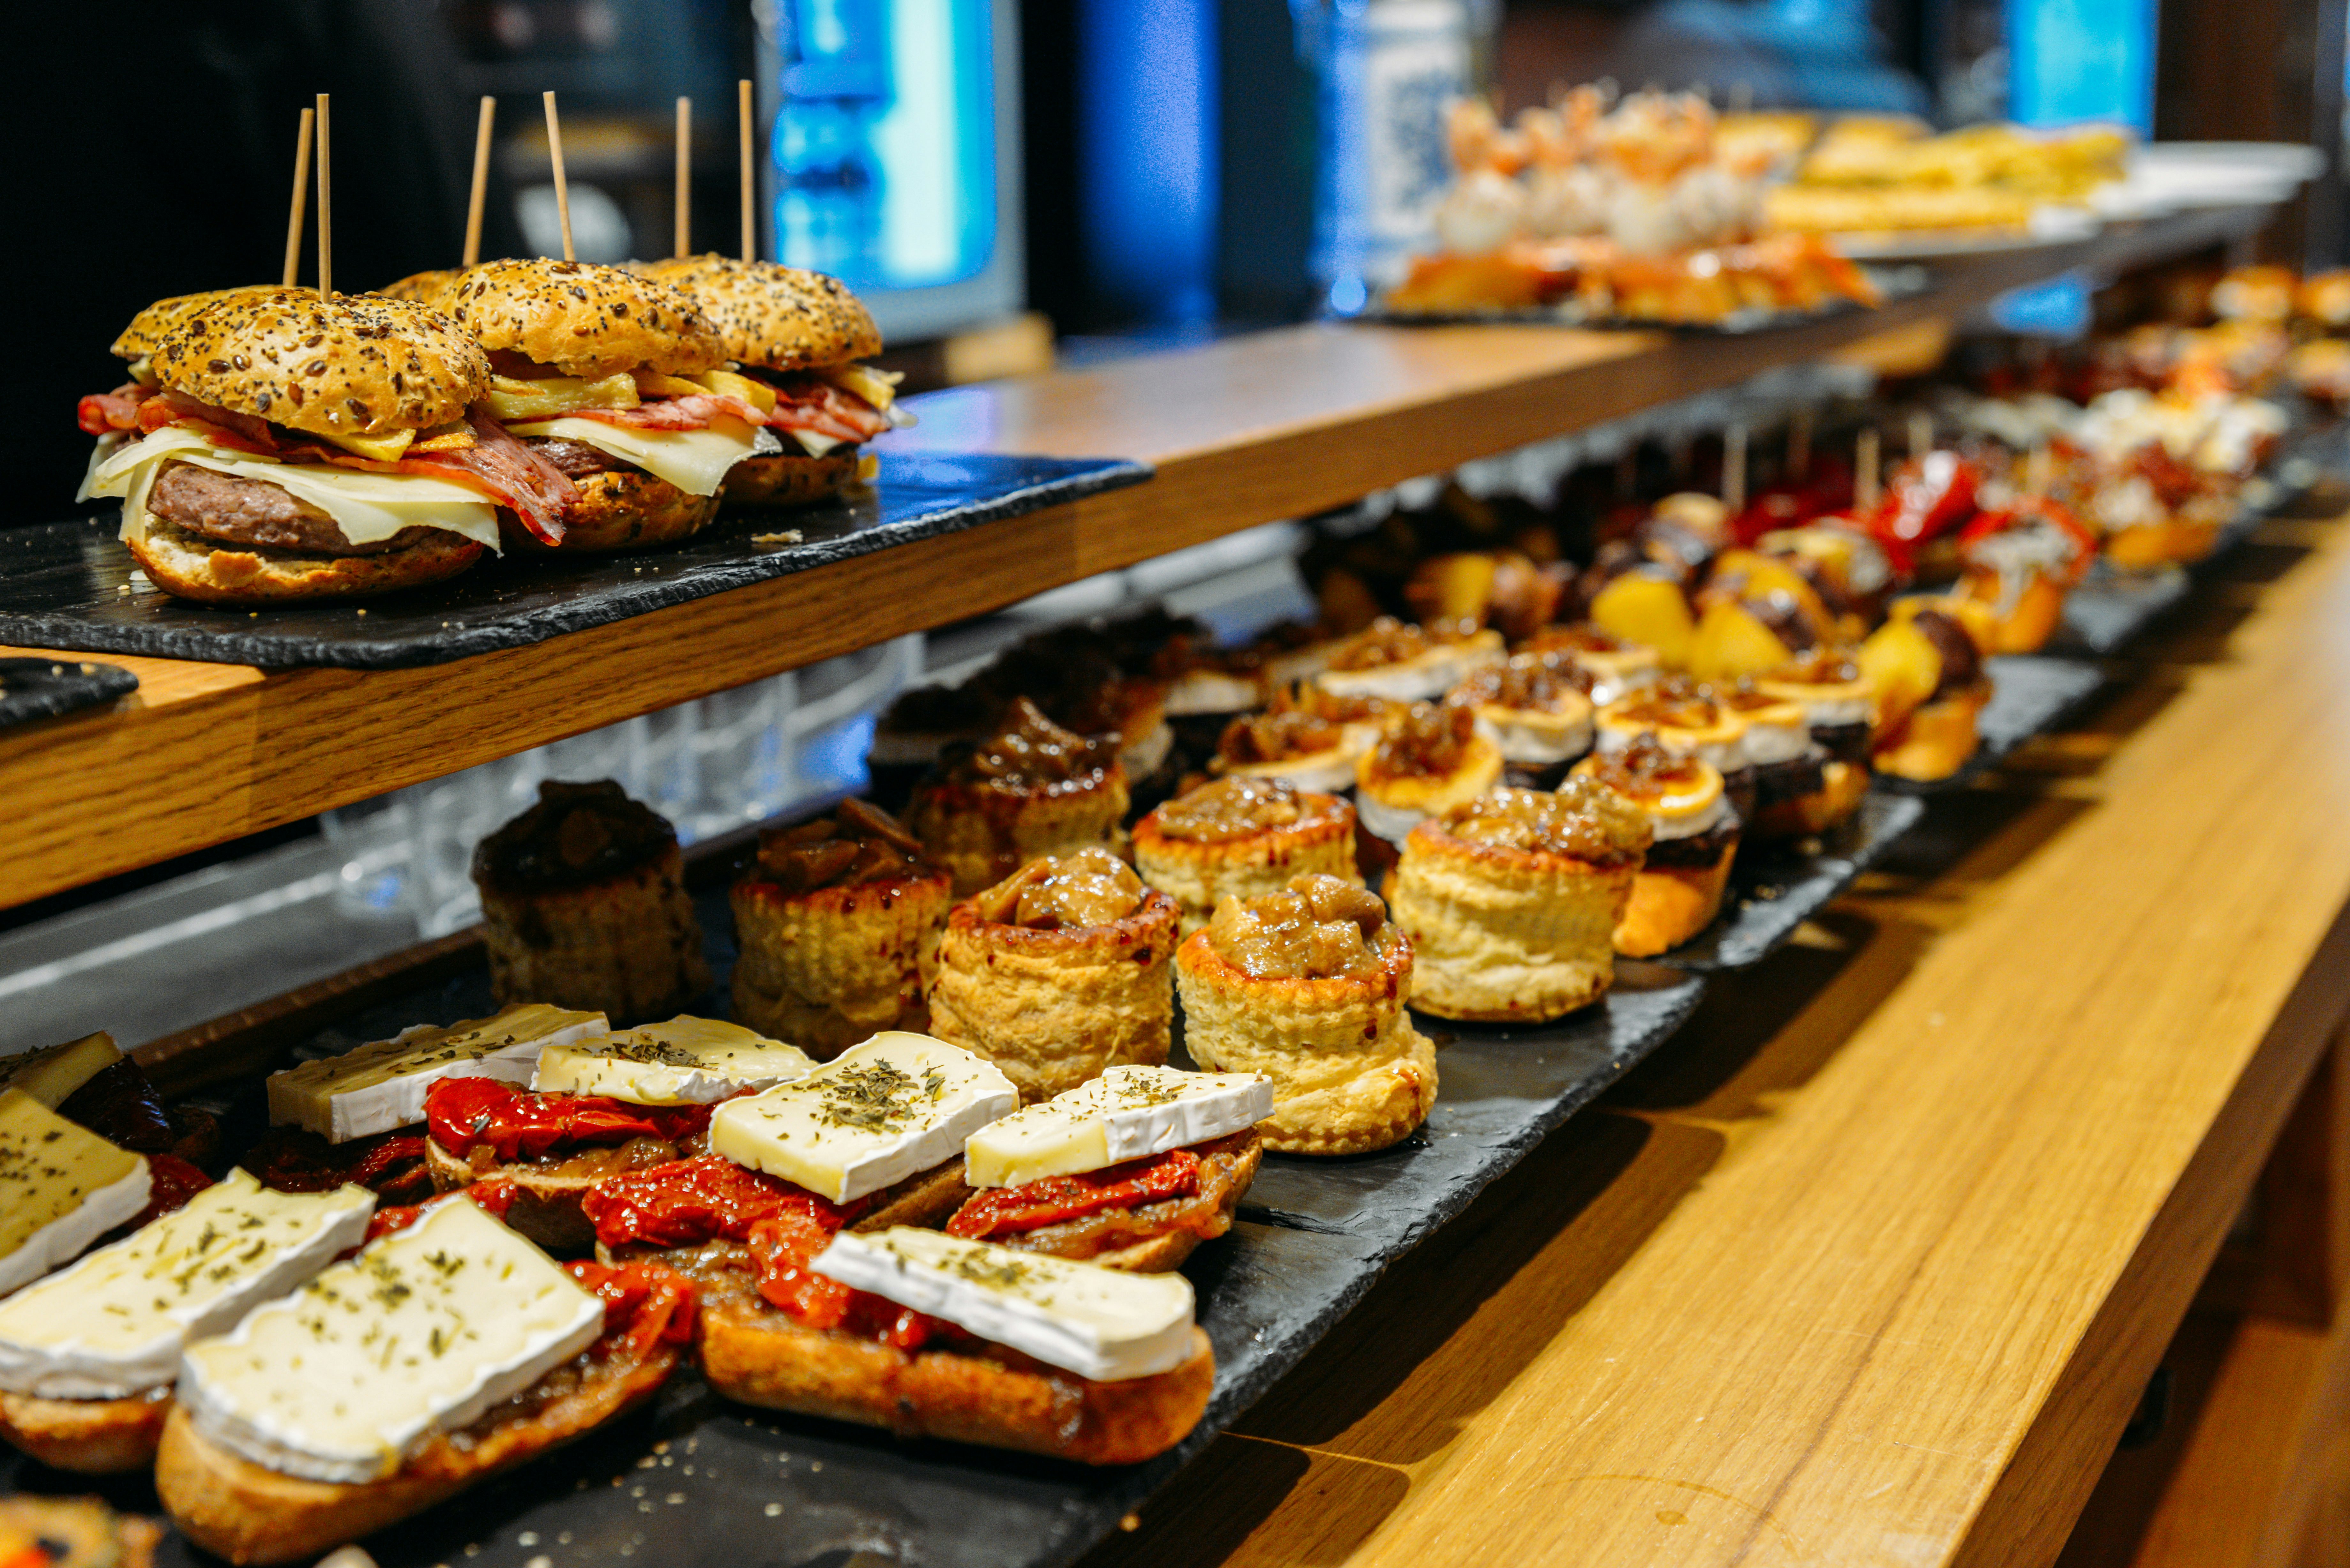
{"points": [[171, 1182], [1927, 498], [1009, 1210], [783, 1247], [515, 1124], [645, 1304], [685, 1202], [2044, 508], [494, 1197]]}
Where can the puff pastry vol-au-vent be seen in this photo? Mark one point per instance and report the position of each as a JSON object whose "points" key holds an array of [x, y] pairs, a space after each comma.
{"points": [[838, 926], [1308, 986], [1032, 790], [1403, 662], [1679, 889], [1512, 901], [1244, 836], [1058, 972], [584, 906], [1430, 759]]}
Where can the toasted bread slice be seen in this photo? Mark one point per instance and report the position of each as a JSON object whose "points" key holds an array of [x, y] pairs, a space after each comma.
{"points": [[87, 1437], [1230, 1165]]}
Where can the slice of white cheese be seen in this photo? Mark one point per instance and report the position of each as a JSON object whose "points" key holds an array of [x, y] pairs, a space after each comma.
{"points": [[368, 507], [113, 1325], [52, 1073], [419, 1334], [686, 1061], [695, 460], [1101, 1324], [874, 1114], [381, 1085], [1125, 1113], [61, 1187]]}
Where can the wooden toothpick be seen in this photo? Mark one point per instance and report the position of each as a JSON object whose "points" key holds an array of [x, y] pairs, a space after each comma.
{"points": [[1866, 466], [1799, 446], [743, 113], [481, 179], [683, 245], [1733, 469], [325, 208], [301, 199], [1922, 434], [562, 190]]}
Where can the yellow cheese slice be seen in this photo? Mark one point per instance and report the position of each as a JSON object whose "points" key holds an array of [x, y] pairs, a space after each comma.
{"points": [[695, 460]]}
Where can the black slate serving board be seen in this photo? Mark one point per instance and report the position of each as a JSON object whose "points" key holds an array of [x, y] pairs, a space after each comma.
{"points": [[69, 585], [2030, 693], [696, 1480], [33, 689], [1775, 887]]}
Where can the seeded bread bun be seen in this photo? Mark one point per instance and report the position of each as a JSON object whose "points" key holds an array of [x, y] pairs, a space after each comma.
{"points": [[583, 319], [349, 366], [781, 479], [776, 317], [618, 509], [424, 287], [138, 339], [190, 567]]}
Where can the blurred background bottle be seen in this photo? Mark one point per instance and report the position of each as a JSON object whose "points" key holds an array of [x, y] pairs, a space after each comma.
{"points": [[1386, 69]]}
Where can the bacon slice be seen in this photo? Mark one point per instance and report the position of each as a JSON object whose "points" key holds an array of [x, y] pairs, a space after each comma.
{"points": [[240, 432], [102, 412], [539, 493], [692, 413], [825, 410]]}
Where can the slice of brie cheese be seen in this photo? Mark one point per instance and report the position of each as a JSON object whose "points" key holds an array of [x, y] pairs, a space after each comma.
{"points": [[1125, 1113], [61, 1187], [686, 1061], [52, 1073], [874, 1114], [1101, 1324], [113, 1325], [381, 1085], [419, 1334], [367, 506], [695, 460]]}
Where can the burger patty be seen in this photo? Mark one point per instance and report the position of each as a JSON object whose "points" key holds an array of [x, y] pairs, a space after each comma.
{"points": [[238, 511], [577, 458]]}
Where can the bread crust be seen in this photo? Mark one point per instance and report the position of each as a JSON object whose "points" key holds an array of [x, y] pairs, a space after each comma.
{"points": [[190, 567], [1197, 872], [1055, 1008], [1349, 1073], [137, 340], [982, 834], [1240, 1154], [424, 287], [1671, 904], [1841, 789], [250, 1514], [618, 509], [779, 479], [352, 365], [87, 1437], [774, 316], [582, 319], [1936, 739], [755, 1355], [834, 966], [628, 947], [1501, 934]]}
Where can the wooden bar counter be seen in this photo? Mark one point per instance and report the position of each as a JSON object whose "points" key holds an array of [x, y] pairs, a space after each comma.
{"points": [[1871, 1265]]}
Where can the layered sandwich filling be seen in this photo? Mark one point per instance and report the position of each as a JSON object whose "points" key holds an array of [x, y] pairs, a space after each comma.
{"points": [[1683, 796]]}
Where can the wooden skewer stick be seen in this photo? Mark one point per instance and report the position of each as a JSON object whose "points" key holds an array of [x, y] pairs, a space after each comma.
{"points": [[2039, 470], [684, 243], [1799, 446], [743, 113], [325, 208], [301, 199], [1921, 435], [481, 179], [1733, 469], [562, 190], [1866, 466]]}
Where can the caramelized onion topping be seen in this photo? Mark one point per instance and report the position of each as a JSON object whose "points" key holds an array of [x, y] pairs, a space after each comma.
{"points": [[1238, 807], [1319, 927], [1276, 737], [1582, 821], [1387, 640], [577, 834], [1645, 771], [1424, 740], [1677, 702], [1031, 752], [1822, 667], [1580, 638], [1064, 892], [858, 842], [1529, 682]]}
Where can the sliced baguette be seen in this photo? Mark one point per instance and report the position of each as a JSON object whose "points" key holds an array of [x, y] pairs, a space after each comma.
{"points": [[87, 1437]]}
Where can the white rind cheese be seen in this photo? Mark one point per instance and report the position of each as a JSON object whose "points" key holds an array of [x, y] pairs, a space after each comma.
{"points": [[686, 1061], [419, 1334], [1100, 1323], [52, 1073], [61, 1187], [381, 1085], [875, 1114], [113, 1326], [1127, 1113], [695, 460], [368, 507]]}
